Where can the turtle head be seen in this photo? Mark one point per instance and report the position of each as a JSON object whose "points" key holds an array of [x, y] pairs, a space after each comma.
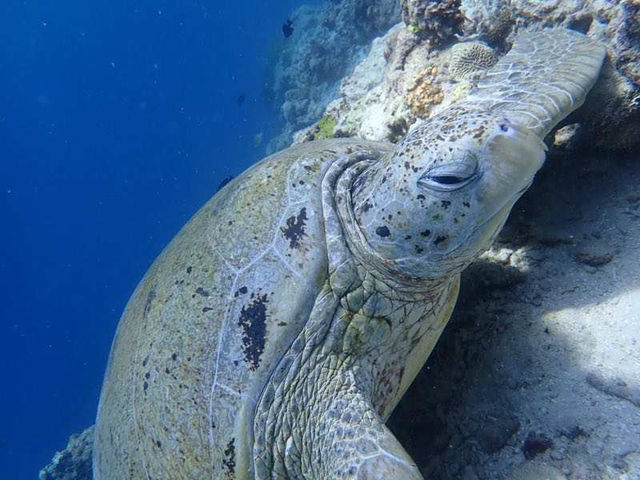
{"points": [[435, 204]]}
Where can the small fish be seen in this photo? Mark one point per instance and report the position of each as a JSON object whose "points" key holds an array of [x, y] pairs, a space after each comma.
{"points": [[287, 28], [240, 99]]}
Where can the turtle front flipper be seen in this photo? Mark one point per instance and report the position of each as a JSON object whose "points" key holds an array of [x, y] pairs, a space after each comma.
{"points": [[319, 422], [544, 77]]}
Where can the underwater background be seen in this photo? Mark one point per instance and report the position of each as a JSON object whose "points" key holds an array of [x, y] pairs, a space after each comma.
{"points": [[118, 120]]}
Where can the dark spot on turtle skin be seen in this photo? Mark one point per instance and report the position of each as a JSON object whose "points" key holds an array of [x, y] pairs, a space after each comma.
{"points": [[189, 269], [425, 233], [420, 197], [174, 356], [240, 291], [147, 305], [418, 249], [145, 361], [383, 231], [366, 206], [445, 204], [359, 183], [294, 231], [466, 204], [253, 320], [535, 444], [439, 239], [206, 309], [145, 386], [159, 443], [229, 460], [479, 132], [202, 292]]}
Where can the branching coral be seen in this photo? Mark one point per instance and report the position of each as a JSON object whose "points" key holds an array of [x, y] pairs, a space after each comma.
{"points": [[425, 92], [434, 20], [470, 57]]}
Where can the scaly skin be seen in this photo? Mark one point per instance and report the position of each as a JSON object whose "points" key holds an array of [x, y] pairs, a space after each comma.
{"points": [[322, 414], [399, 230]]}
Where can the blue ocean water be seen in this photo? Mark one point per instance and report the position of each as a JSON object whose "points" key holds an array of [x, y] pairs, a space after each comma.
{"points": [[117, 121]]}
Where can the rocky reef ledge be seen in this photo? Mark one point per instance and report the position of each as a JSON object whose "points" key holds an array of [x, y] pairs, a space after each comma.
{"points": [[328, 40], [442, 48], [74, 462]]}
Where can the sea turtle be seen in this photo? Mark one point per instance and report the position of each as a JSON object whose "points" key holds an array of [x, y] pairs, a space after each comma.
{"points": [[279, 329]]}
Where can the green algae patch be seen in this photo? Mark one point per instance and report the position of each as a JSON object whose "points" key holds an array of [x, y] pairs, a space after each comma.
{"points": [[325, 127]]}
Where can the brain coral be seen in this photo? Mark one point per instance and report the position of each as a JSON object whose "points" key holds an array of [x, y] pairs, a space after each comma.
{"points": [[470, 57]]}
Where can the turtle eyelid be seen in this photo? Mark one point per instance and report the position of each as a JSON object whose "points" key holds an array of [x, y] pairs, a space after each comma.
{"points": [[448, 178]]}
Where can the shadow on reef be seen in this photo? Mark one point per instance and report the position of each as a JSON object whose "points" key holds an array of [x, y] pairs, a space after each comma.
{"points": [[536, 376]]}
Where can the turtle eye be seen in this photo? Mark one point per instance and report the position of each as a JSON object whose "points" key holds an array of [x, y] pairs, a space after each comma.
{"points": [[450, 177]]}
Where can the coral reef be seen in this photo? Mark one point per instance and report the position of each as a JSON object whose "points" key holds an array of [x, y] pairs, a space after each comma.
{"points": [[381, 99], [424, 92], [74, 462], [436, 21], [328, 40], [470, 57]]}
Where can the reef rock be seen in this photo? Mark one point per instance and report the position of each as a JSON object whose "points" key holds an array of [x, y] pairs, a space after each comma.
{"points": [[74, 462], [436, 21], [416, 69], [328, 40]]}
